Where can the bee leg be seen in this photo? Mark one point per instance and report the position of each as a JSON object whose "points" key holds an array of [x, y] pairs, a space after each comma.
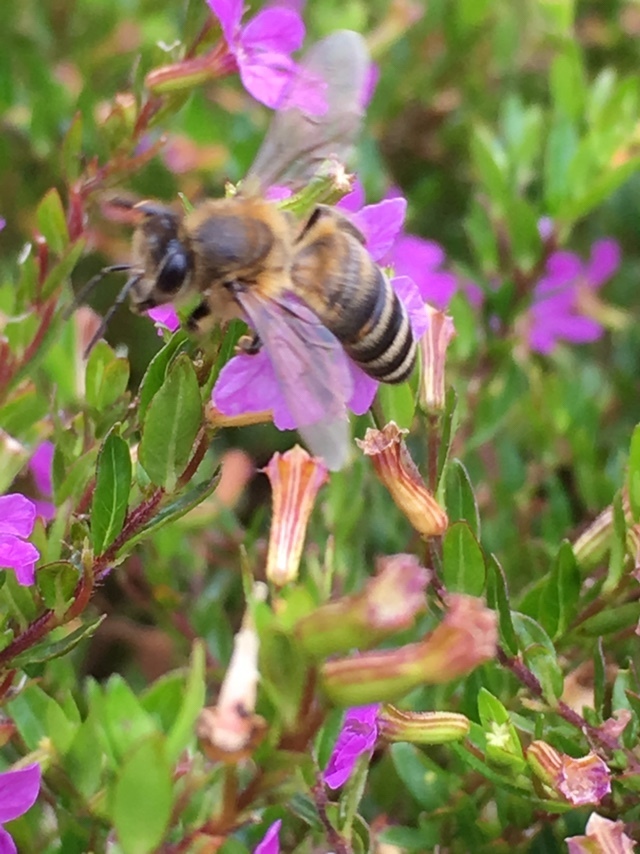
{"points": [[200, 319], [249, 344]]}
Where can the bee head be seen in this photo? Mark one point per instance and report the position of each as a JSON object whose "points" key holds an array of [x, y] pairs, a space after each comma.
{"points": [[161, 253]]}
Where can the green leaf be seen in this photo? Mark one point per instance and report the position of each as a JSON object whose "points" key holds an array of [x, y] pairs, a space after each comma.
{"points": [[61, 271], [463, 568], [424, 781], [522, 223], [498, 599], [111, 495], [142, 798], [502, 742], [612, 620], [171, 425], [73, 479], [447, 428], [490, 162], [37, 716], [461, 502], [52, 648], [398, 403], [539, 655], [562, 143], [72, 149], [559, 600], [52, 222], [633, 474], [106, 377], [567, 82], [125, 722], [56, 584], [192, 702], [618, 543], [599, 678], [157, 370]]}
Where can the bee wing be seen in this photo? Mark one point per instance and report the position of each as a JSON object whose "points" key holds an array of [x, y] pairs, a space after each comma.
{"points": [[333, 71], [311, 368]]}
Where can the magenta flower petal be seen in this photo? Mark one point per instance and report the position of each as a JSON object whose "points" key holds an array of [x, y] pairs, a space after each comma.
{"points": [[249, 384], [604, 261], [40, 465], [19, 556], [229, 13], [45, 509], [357, 738], [364, 390], [270, 843], [165, 315], [7, 845], [274, 30], [419, 259], [17, 515], [408, 292], [3, 222], [381, 224], [267, 77], [354, 200], [18, 791]]}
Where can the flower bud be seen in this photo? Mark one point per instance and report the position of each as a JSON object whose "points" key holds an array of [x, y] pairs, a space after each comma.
{"points": [[219, 419], [433, 350], [230, 730], [190, 73], [465, 638], [398, 472], [295, 478], [580, 781], [388, 604], [421, 727], [602, 834]]}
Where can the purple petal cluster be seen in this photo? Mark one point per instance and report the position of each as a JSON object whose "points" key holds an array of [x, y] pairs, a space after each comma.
{"points": [[561, 298], [261, 50], [357, 738], [18, 792], [17, 518]]}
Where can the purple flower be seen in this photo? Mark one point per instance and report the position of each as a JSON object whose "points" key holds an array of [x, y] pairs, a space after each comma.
{"points": [[3, 222], [563, 297], [357, 738], [18, 792], [248, 383], [261, 50], [17, 517], [41, 464], [270, 843], [164, 316]]}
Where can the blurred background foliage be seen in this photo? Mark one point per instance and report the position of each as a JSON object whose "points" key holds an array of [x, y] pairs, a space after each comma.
{"points": [[488, 116]]}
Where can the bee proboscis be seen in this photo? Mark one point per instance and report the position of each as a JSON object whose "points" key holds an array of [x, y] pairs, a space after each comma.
{"points": [[310, 290]]}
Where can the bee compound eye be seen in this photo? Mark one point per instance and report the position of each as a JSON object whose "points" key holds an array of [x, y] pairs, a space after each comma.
{"points": [[174, 270]]}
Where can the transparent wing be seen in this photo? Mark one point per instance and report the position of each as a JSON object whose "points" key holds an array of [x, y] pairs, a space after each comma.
{"points": [[311, 368], [332, 78]]}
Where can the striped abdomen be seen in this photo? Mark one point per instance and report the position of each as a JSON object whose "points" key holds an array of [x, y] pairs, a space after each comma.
{"points": [[353, 298]]}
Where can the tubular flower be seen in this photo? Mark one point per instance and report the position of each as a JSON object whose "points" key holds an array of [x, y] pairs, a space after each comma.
{"points": [[270, 843], [357, 738], [17, 517], [466, 637], [388, 604], [421, 727], [564, 306], [586, 780], [397, 471], [231, 730], [295, 479], [433, 347], [41, 465], [18, 792], [603, 836]]}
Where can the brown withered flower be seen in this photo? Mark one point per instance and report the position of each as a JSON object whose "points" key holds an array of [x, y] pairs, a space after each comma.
{"points": [[433, 350], [398, 472]]}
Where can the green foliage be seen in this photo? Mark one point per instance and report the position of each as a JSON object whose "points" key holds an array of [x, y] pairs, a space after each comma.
{"points": [[512, 131]]}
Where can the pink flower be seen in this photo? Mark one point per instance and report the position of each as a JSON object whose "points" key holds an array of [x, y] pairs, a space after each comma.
{"points": [[357, 738], [261, 50], [17, 517], [563, 296], [248, 383], [270, 843], [18, 792], [602, 835], [41, 464], [164, 316]]}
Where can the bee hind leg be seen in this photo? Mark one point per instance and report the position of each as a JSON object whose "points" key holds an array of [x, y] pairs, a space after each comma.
{"points": [[250, 345]]}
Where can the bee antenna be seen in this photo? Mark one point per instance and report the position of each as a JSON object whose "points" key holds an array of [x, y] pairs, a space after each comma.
{"points": [[133, 280], [86, 289]]}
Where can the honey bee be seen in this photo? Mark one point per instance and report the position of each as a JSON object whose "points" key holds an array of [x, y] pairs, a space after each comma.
{"points": [[310, 290]]}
